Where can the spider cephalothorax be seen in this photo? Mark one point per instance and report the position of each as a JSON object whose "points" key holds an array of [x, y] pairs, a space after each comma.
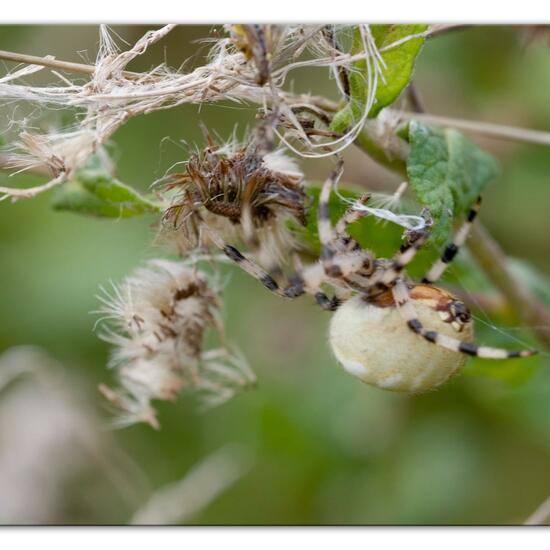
{"points": [[241, 192], [387, 331]]}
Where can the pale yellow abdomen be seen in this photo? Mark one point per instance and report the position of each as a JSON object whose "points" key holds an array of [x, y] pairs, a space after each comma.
{"points": [[375, 345]]}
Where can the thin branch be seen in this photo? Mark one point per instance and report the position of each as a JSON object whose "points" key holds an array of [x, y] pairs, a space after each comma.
{"points": [[492, 259], [182, 500], [29, 193], [50, 62], [483, 128], [415, 100], [439, 30], [53, 63], [319, 102]]}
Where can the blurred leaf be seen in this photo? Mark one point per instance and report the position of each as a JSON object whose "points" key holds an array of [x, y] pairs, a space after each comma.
{"points": [[513, 372], [447, 172], [180, 501], [399, 64], [94, 192]]}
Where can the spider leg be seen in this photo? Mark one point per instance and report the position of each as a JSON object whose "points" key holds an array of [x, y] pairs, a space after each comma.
{"points": [[324, 226], [406, 309], [452, 249], [309, 280], [336, 263], [407, 253], [352, 214]]}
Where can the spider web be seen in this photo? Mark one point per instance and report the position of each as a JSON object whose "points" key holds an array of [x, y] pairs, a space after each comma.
{"points": [[485, 319]]}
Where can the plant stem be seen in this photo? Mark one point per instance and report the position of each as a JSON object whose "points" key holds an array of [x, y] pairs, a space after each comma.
{"points": [[379, 141], [484, 128], [52, 63], [492, 259]]}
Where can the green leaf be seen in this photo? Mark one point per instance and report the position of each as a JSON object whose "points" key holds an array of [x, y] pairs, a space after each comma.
{"points": [[512, 372], [447, 172], [399, 61], [399, 64], [383, 239], [94, 192]]}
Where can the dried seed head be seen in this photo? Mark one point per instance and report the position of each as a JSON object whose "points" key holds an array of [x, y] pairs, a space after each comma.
{"points": [[373, 343], [240, 192], [158, 319]]}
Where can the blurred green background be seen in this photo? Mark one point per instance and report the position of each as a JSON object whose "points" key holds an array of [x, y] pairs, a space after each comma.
{"points": [[326, 449]]}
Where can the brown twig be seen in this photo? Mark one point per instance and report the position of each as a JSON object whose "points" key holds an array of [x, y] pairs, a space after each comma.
{"points": [[66, 66], [492, 259], [483, 128], [317, 102], [439, 30], [415, 100]]}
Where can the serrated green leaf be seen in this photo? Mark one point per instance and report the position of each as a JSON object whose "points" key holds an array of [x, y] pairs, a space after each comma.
{"points": [[399, 64], [447, 172], [93, 192]]}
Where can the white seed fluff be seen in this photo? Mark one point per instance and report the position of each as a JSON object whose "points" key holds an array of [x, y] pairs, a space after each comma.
{"points": [[375, 345], [157, 322]]}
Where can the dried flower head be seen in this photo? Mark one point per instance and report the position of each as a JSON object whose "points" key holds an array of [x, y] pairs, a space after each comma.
{"points": [[241, 192], [157, 319]]}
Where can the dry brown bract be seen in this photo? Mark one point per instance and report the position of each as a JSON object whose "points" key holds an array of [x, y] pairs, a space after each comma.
{"points": [[240, 192]]}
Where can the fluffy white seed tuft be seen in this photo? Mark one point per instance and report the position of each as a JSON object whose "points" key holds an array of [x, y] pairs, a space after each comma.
{"points": [[156, 321]]}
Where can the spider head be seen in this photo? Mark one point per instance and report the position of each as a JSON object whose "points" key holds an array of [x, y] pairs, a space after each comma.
{"points": [[450, 309], [458, 314]]}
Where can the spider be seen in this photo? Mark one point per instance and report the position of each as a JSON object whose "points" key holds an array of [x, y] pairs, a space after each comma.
{"points": [[387, 330]]}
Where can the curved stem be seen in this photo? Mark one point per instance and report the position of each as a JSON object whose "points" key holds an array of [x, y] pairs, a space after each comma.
{"points": [[51, 63]]}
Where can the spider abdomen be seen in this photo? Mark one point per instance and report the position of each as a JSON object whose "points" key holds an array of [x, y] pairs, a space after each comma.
{"points": [[373, 343]]}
